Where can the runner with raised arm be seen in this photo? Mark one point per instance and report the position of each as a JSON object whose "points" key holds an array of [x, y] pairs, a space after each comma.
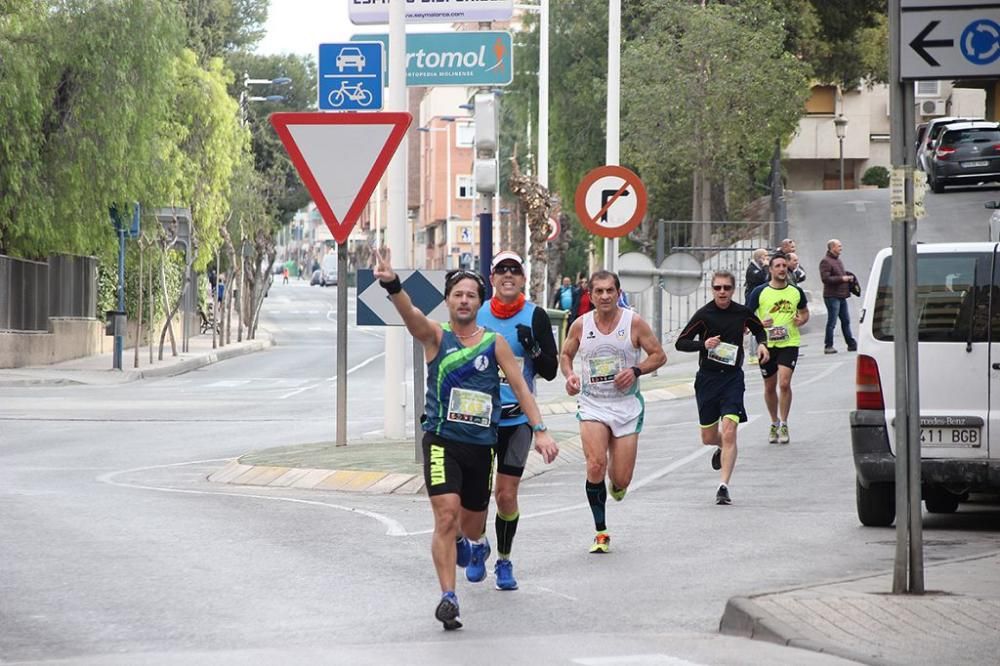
{"points": [[461, 413]]}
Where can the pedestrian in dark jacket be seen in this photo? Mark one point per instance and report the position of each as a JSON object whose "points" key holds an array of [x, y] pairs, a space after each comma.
{"points": [[836, 289], [757, 273]]}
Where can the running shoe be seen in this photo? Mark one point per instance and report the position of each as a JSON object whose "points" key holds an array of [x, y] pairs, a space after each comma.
{"points": [[476, 571], [772, 437], [783, 434], [504, 572], [447, 611], [618, 494], [717, 459], [463, 551], [722, 495], [602, 543]]}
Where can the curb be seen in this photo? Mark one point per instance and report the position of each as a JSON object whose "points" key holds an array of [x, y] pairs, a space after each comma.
{"points": [[744, 618]]}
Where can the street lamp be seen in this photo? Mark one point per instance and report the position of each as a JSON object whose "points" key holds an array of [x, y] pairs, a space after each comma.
{"points": [[840, 125], [448, 197], [246, 98]]}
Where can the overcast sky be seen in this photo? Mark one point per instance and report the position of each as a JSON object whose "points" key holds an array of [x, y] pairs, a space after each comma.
{"points": [[300, 26]]}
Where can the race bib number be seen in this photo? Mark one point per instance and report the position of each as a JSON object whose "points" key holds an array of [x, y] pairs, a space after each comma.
{"points": [[777, 334], [472, 407], [603, 369], [520, 366], [724, 353]]}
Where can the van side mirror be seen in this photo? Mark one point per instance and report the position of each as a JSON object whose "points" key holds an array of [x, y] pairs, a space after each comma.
{"points": [[992, 205]]}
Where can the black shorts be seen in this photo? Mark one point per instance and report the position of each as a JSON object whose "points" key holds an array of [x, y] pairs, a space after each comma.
{"points": [[463, 469], [786, 356], [718, 394], [512, 448]]}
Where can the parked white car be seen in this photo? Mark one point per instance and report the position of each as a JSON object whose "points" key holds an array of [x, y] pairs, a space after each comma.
{"points": [[958, 323]]}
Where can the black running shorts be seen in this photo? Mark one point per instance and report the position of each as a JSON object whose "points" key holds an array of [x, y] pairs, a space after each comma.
{"points": [[718, 394], [786, 356], [512, 448], [455, 467]]}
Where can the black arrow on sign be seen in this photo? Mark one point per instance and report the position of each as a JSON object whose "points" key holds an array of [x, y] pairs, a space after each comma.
{"points": [[920, 45]]}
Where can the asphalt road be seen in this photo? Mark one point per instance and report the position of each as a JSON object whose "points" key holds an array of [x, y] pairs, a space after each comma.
{"points": [[116, 550]]}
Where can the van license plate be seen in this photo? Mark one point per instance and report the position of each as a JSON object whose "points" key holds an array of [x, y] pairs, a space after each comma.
{"points": [[967, 437], [974, 165]]}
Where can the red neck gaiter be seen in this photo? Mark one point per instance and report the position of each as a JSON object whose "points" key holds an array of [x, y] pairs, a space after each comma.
{"points": [[503, 310]]}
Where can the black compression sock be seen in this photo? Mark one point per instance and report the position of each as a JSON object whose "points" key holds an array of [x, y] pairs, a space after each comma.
{"points": [[506, 528], [597, 496]]}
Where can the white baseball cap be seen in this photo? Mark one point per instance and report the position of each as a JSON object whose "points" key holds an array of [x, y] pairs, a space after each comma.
{"points": [[506, 255]]}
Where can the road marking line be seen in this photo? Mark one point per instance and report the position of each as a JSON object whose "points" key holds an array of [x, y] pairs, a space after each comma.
{"points": [[393, 527], [558, 594], [331, 379], [635, 660]]}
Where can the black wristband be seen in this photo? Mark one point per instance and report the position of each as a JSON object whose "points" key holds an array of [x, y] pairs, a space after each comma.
{"points": [[394, 286], [636, 370]]}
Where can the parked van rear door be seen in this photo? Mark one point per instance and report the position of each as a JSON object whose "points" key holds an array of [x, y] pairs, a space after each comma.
{"points": [[953, 306]]}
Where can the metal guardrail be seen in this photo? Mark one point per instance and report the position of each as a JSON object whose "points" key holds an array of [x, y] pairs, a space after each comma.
{"points": [[33, 291]]}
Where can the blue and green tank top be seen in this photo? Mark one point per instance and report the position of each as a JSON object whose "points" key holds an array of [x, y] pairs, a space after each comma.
{"points": [[463, 390]]}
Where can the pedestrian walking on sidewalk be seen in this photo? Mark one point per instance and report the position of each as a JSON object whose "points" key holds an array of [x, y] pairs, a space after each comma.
{"points": [[716, 333], [837, 286], [528, 330], [610, 341], [782, 308], [461, 413]]}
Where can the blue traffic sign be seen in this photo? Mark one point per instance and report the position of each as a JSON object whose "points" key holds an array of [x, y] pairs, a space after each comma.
{"points": [[350, 76], [425, 289], [981, 42]]}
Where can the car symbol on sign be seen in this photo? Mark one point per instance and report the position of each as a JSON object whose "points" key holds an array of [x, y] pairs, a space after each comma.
{"points": [[350, 57]]}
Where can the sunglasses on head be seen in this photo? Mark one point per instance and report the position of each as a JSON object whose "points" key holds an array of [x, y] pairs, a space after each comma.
{"points": [[722, 287], [513, 269], [456, 275]]}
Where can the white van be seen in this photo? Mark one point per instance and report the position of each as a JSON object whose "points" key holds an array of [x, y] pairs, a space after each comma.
{"points": [[958, 323], [328, 270]]}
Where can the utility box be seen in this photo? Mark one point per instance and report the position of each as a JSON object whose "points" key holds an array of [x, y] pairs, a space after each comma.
{"points": [[487, 122], [486, 176], [115, 322]]}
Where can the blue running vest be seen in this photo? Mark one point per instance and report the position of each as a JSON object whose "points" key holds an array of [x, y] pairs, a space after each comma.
{"points": [[508, 329], [463, 390]]}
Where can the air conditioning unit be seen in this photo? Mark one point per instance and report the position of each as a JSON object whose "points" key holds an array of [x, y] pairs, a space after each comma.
{"points": [[932, 107]]}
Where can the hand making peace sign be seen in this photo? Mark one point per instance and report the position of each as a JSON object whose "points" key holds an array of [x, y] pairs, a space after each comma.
{"points": [[383, 266]]}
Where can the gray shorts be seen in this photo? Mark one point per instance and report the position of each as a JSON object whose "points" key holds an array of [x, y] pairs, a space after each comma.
{"points": [[512, 449]]}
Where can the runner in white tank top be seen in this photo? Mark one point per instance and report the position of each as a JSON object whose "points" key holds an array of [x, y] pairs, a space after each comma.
{"points": [[602, 357], [610, 341]]}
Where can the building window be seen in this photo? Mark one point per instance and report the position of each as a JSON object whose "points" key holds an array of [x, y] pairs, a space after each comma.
{"points": [[465, 134], [465, 187], [822, 101], [928, 89]]}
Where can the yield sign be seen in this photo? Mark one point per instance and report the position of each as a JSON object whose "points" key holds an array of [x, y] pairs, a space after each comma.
{"points": [[340, 158]]}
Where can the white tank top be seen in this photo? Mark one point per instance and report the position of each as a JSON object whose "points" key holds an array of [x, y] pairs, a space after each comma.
{"points": [[604, 356]]}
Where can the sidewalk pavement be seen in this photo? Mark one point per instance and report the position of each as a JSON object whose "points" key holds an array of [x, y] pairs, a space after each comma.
{"points": [[956, 622], [97, 369]]}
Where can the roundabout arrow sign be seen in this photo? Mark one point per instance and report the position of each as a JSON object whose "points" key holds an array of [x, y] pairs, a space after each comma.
{"points": [[941, 40]]}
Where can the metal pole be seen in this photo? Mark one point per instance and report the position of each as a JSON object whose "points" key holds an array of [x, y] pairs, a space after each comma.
{"points": [[119, 337], [449, 225], [841, 140], [908, 574], [658, 284], [780, 228], [138, 315], [611, 155], [213, 298], [486, 239], [151, 301], [395, 342], [342, 344]]}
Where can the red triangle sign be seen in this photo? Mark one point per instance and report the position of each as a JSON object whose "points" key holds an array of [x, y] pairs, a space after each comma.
{"points": [[340, 158]]}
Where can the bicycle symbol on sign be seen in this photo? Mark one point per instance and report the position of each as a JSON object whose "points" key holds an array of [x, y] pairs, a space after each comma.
{"points": [[355, 93]]}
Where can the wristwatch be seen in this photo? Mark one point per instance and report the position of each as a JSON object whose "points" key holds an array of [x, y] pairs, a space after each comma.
{"points": [[539, 427], [636, 370]]}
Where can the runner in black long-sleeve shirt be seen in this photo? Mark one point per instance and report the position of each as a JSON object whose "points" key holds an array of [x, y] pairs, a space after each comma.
{"points": [[716, 333]]}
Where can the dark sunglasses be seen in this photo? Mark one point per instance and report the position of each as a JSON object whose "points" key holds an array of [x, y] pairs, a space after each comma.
{"points": [[513, 269], [722, 287]]}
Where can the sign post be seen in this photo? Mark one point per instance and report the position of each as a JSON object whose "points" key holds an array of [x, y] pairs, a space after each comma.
{"points": [[340, 159], [908, 572]]}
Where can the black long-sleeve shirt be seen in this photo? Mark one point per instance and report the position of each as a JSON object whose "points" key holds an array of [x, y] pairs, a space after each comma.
{"points": [[547, 363], [728, 324]]}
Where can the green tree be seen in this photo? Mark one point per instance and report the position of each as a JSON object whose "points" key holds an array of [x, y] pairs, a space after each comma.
{"points": [[216, 27], [694, 103]]}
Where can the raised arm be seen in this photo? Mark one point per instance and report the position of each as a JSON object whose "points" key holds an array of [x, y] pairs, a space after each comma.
{"points": [[419, 326]]}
